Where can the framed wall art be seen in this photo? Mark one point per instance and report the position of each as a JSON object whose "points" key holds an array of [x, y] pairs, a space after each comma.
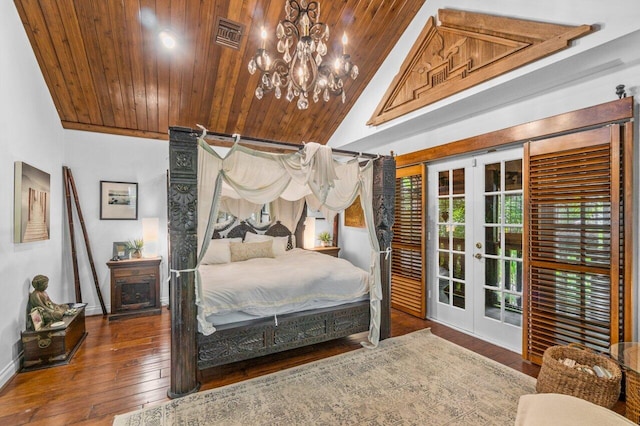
{"points": [[354, 215], [32, 204], [118, 200]]}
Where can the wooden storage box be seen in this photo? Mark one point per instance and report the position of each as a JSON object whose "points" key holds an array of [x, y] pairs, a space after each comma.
{"points": [[48, 346]]}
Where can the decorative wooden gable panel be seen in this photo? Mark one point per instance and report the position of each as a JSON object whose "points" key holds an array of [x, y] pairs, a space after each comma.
{"points": [[463, 50]]}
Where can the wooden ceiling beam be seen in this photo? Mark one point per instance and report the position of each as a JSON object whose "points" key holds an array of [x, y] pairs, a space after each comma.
{"points": [[617, 110], [136, 133]]}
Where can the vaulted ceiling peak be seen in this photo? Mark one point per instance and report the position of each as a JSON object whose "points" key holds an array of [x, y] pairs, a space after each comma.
{"points": [[460, 49]]}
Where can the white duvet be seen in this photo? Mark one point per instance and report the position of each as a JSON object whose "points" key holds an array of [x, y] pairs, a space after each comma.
{"points": [[296, 281]]}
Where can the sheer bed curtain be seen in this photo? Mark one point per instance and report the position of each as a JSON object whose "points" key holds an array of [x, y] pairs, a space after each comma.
{"points": [[242, 209], [286, 212], [259, 178]]}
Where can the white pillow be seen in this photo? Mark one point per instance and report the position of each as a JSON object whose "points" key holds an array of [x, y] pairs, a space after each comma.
{"points": [[250, 237], [279, 243], [218, 251]]}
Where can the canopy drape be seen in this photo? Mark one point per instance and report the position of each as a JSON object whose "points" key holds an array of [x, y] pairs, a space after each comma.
{"points": [[287, 180]]}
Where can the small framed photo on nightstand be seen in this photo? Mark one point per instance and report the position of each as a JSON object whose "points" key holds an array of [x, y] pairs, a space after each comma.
{"points": [[120, 250]]}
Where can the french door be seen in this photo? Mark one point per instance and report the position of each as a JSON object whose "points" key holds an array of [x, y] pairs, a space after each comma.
{"points": [[475, 240]]}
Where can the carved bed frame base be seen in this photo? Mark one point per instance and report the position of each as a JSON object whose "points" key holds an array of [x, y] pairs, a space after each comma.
{"points": [[251, 339]]}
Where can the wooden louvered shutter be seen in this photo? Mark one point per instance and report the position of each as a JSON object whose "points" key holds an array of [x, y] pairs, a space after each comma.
{"points": [[407, 263], [575, 253]]}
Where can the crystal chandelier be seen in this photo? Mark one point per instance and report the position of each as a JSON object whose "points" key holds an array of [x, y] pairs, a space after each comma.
{"points": [[301, 72]]}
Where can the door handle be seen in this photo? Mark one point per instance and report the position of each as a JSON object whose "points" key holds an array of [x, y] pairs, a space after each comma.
{"points": [[478, 255]]}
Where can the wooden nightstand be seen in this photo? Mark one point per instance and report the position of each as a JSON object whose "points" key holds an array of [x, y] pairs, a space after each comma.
{"points": [[331, 251], [135, 287]]}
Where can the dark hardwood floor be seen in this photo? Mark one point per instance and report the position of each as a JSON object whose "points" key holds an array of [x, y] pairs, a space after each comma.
{"points": [[124, 365]]}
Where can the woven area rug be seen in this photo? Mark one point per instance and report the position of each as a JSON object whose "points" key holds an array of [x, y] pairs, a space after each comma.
{"points": [[415, 379]]}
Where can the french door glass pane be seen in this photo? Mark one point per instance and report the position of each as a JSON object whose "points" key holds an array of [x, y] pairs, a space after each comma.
{"points": [[443, 210], [492, 177], [492, 304], [458, 210], [492, 272], [443, 293], [492, 242], [513, 175], [458, 182], [513, 208], [443, 262], [443, 183], [458, 266], [458, 237], [513, 275], [513, 242], [443, 237], [513, 309], [443, 277], [492, 208], [458, 294]]}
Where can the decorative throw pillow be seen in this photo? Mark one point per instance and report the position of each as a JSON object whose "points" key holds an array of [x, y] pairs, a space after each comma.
{"points": [[246, 251], [279, 243], [218, 251]]}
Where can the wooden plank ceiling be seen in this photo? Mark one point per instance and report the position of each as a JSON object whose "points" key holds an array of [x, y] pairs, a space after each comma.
{"points": [[107, 72]]}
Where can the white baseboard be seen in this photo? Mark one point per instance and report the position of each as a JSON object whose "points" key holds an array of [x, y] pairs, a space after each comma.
{"points": [[97, 310], [9, 371]]}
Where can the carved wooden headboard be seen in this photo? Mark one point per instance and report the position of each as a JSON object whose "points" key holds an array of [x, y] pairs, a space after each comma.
{"points": [[279, 230], [240, 231]]}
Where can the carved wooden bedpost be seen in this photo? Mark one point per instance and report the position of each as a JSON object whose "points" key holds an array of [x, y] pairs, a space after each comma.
{"points": [[384, 192], [183, 221]]}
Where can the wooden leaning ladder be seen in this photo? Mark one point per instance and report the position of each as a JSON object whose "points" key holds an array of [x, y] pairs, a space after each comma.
{"points": [[70, 187]]}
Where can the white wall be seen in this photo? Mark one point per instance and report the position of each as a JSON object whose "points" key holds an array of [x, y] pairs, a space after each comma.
{"points": [[31, 132], [93, 157], [584, 75]]}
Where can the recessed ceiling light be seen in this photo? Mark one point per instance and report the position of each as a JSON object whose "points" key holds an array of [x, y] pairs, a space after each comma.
{"points": [[168, 39]]}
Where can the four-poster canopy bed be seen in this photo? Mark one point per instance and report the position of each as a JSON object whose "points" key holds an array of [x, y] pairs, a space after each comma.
{"points": [[198, 179]]}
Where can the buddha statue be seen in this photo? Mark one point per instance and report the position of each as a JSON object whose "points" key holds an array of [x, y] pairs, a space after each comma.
{"points": [[39, 299]]}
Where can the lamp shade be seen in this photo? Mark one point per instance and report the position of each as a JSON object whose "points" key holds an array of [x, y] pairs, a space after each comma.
{"points": [[309, 232], [150, 226]]}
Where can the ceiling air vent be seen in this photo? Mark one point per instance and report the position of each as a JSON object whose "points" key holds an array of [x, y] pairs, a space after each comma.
{"points": [[228, 33]]}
